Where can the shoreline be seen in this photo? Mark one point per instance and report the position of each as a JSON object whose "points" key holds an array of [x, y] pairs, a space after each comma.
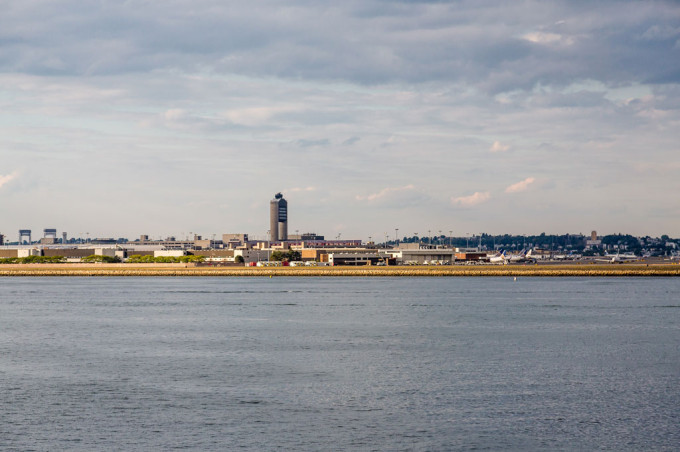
{"points": [[146, 270]]}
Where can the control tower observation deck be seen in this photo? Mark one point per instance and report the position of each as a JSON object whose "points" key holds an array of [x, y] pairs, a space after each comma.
{"points": [[278, 218]]}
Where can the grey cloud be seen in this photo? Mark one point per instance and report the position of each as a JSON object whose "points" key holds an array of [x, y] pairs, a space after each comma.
{"points": [[661, 32], [582, 99], [313, 143], [480, 43], [315, 117], [235, 95]]}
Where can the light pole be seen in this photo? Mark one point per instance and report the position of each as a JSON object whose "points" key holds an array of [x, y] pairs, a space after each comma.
{"points": [[467, 240], [396, 236], [429, 237]]}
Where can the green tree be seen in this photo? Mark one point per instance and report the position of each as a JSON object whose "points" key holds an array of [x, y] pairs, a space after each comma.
{"points": [[277, 256], [37, 260], [290, 255], [54, 259], [91, 258], [293, 255], [97, 258], [139, 259]]}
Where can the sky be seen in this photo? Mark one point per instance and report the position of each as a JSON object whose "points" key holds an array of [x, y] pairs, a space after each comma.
{"points": [[178, 117]]}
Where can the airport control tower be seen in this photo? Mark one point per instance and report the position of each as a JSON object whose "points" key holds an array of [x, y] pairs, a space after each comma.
{"points": [[278, 218]]}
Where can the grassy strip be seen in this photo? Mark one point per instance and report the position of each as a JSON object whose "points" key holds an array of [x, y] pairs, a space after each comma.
{"points": [[491, 270]]}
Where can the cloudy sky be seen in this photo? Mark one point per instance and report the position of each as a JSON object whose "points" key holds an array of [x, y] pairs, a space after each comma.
{"points": [[121, 118]]}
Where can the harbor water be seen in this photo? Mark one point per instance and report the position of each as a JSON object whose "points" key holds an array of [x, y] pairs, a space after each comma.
{"points": [[339, 363]]}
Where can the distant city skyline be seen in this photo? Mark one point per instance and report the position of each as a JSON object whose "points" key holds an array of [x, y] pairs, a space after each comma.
{"points": [[429, 237], [121, 119]]}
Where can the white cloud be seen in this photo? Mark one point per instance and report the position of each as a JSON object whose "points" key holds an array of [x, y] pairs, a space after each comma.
{"points": [[520, 186], [299, 189], [8, 178], [472, 200], [253, 116], [497, 146], [383, 193], [545, 38], [175, 114], [542, 38]]}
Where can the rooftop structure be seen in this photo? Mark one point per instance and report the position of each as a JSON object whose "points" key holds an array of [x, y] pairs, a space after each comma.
{"points": [[305, 236], [24, 233]]}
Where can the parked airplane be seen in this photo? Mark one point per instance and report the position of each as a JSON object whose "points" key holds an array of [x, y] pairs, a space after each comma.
{"points": [[618, 258], [567, 257], [499, 258], [523, 256], [533, 257]]}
